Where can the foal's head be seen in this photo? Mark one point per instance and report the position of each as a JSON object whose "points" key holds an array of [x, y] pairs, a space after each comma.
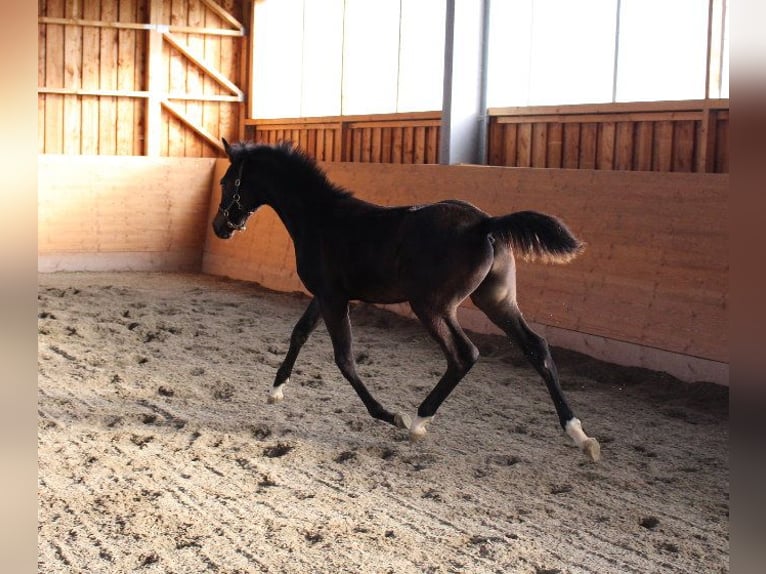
{"points": [[239, 199]]}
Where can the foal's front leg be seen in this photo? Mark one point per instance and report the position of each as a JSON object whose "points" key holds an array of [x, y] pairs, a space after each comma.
{"points": [[336, 319], [303, 328]]}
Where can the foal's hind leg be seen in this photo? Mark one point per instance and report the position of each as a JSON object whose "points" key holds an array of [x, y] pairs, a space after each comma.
{"points": [[303, 328], [461, 355], [496, 298]]}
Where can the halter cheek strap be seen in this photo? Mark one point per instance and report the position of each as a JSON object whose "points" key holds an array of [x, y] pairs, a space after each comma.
{"points": [[234, 202]]}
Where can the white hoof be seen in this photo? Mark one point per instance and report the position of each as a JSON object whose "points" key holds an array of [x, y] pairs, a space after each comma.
{"points": [[276, 395], [588, 445], [418, 428], [402, 421], [592, 449]]}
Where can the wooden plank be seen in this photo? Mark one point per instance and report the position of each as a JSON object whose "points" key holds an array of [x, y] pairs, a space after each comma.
{"points": [[319, 143], [231, 66], [107, 139], [140, 58], [224, 15], [72, 79], [423, 118], [555, 145], [126, 60], [54, 68], [663, 146], [153, 124], [598, 118], [539, 145], [419, 145], [195, 80], [495, 143], [607, 108], [606, 145], [684, 146], [311, 143], [397, 145], [644, 145], [356, 153], [90, 81], [588, 145], [41, 43], [722, 145], [178, 68], [376, 145], [623, 146], [329, 144], [524, 145], [571, 159], [510, 145], [385, 145], [707, 142], [191, 125], [301, 139], [433, 145], [86, 23], [178, 44], [211, 113], [408, 145]]}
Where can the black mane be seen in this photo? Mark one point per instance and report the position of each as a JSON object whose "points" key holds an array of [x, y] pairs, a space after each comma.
{"points": [[303, 170]]}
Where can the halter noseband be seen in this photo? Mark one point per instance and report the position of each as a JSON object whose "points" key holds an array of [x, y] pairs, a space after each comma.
{"points": [[234, 202]]}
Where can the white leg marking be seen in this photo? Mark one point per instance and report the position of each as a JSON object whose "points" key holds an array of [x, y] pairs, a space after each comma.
{"points": [[418, 427], [574, 430], [589, 445], [276, 393]]}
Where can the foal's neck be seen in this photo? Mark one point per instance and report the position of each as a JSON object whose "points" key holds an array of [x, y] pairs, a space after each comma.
{"points": [[306, 200]]}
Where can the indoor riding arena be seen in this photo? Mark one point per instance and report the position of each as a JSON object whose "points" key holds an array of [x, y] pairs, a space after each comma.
{"points": [[163, 444]]}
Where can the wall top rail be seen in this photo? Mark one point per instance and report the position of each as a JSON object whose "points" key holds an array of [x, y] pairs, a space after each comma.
{"points": [[388, 118], [611, 108], [140, 26]]}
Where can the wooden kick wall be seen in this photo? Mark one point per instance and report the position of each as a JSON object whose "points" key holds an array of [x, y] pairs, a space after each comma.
{"points": [[122, 213], [685, 136], [386, 138], [140, 77], [651, 289]]}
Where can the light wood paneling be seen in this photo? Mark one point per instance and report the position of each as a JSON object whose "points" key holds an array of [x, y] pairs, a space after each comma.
{"points": [[106, 206], [389, 138], [649, 136], [106, 66]]}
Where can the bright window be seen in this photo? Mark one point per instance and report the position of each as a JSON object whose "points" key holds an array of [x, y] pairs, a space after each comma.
{"points": [[333, 57], [662, 50], [549, 52], [351, 57]]}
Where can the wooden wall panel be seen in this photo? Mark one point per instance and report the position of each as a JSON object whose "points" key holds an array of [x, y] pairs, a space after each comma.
{"points": [[654, 274], [653, 136], [389, 138], [95, 82], [92, 207]]}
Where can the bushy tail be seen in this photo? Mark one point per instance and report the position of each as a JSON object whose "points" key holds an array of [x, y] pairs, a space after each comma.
{"points": [[535, 236]]}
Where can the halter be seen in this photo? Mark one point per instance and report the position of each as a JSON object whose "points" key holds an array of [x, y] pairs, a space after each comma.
{"points": [[234, 202]]}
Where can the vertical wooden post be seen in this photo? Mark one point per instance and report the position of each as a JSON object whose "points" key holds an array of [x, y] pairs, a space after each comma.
{"points": [[246, 66], [153, 65]]}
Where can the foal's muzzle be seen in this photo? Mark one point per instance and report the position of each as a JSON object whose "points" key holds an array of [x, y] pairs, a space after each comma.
{"points": [[223, 225]]}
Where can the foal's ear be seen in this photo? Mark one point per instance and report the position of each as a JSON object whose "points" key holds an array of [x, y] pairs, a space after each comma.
{"points": [[226, 147]]}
